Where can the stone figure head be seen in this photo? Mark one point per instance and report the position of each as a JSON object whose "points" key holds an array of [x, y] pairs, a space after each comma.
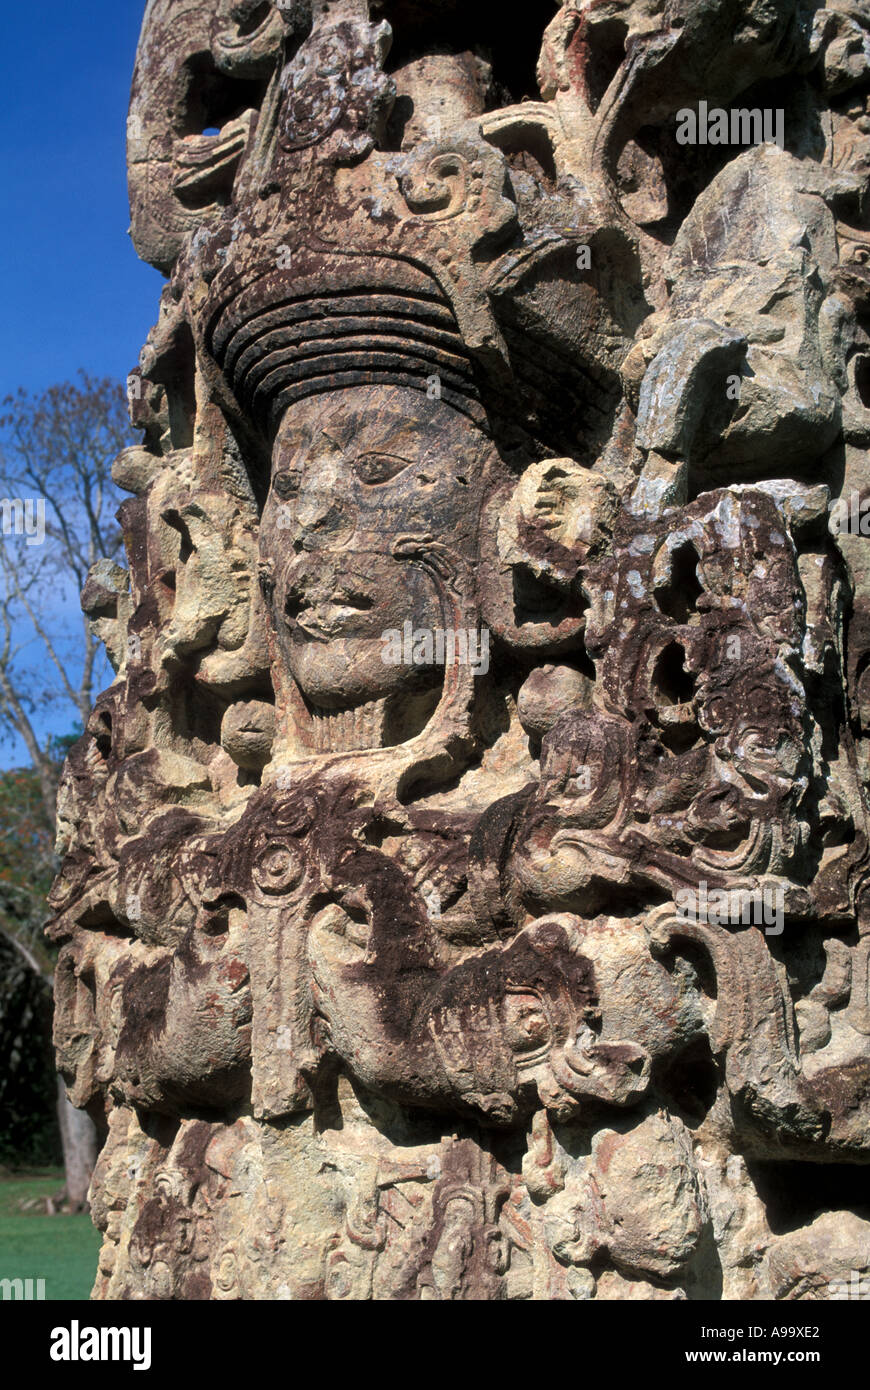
{"points": [[357, 475]]}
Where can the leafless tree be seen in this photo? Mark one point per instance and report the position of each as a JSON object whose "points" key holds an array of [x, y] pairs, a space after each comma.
{"points": [[57, 452], [57, 517]]}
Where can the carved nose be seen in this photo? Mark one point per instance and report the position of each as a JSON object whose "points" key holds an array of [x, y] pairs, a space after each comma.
{"points": [[314, 512], [322, 521]]}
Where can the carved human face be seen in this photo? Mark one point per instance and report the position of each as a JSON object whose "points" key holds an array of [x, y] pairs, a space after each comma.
{"points": [[354, 474]]}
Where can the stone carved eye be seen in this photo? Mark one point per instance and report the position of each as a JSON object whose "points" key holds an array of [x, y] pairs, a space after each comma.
{"points": [[379, 468], [278, 867], [759, 745]]}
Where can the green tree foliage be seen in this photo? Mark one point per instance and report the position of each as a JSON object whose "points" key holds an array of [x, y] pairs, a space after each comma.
{"points": [[56, 455]]}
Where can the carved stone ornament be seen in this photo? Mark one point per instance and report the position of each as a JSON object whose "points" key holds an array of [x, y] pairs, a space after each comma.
{"points": [[466, 886]]}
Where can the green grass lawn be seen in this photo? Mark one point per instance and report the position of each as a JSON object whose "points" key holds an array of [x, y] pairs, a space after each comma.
{"points": [[60, 1249]]}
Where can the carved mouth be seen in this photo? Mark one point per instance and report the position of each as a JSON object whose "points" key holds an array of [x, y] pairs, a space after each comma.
{"points": [[549, 507], [202, 161], [322, 621], [330, 621], [385, 723]]}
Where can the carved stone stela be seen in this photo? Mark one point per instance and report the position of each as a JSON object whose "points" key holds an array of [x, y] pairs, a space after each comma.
{"points": [[466, 884]]}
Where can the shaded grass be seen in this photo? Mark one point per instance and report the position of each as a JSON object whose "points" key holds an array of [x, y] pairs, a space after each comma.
{"points": [[60, 1249]]}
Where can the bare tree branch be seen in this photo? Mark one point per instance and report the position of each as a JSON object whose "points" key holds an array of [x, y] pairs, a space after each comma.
{"points": [[32, 962], [56, 451]]}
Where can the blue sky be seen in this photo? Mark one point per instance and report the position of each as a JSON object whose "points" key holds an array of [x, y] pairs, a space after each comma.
{"points": [[74, 293]]}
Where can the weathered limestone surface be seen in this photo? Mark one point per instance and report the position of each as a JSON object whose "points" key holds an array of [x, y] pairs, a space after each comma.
{"points": [[465, 891]]}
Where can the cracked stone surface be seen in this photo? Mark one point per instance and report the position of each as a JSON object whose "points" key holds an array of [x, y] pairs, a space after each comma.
{"points": [[465, 883]]}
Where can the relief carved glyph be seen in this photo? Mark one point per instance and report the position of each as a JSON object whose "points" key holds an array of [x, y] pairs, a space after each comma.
{"points": [[465, 891]]}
